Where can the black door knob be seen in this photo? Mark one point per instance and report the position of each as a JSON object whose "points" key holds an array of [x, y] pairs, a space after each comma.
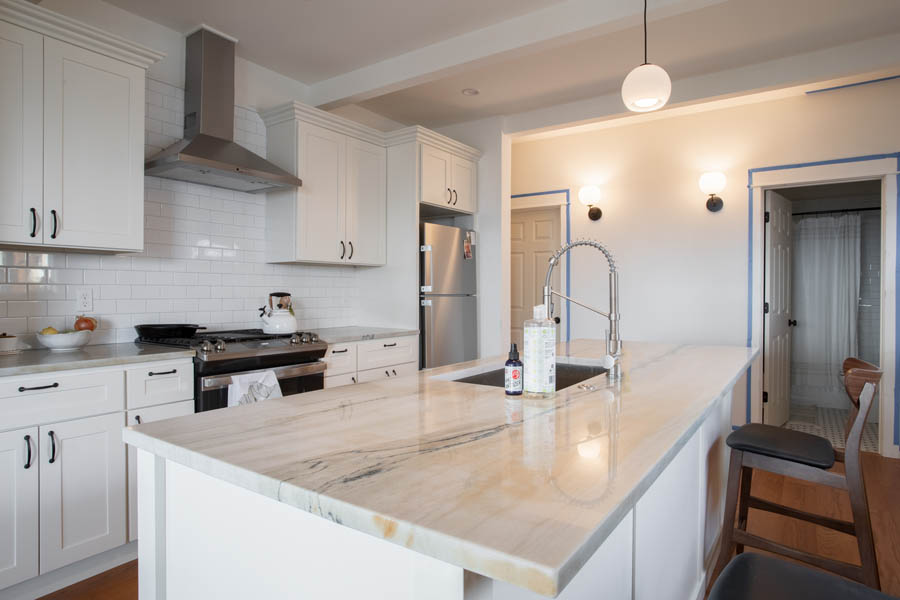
{"points": [[792, 322]]}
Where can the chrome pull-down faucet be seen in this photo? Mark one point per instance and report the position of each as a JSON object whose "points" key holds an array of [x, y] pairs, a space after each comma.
{"points": [[613, 341]]}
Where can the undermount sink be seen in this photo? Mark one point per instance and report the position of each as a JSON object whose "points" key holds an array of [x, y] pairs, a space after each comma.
{"points": [[567, 375]]}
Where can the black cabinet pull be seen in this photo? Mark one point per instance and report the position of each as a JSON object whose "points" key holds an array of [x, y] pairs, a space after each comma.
{"points": [[33, 223], [343, 250], [386, 373], [55, 223], [351, 250], [394, 371], [40, 387], [137, 419], [340, 351], [792, 322], [455, 197], [52, 447], [172, 372], [28, 445], [449, 195], [353, 379], [390, 345]]}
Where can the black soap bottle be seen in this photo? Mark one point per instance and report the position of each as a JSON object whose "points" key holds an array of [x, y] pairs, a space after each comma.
{"points": [[513, 372]]}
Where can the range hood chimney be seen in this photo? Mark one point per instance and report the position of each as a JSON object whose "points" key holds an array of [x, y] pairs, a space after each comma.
{"points": [[208, 154]]}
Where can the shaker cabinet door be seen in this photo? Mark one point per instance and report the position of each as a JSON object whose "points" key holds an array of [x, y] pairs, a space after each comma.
{"points": [[18, 506], [93, 150], [366, 203], [21, 138], [463, 185], [435, 177], [320, 214]]}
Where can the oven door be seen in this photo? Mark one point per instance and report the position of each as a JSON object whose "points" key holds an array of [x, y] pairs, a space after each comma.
{"points": [[212, 391]]}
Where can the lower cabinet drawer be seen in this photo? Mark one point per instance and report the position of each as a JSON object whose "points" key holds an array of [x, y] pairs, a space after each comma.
{"points": [[341, 359], [332, 381], [53, 397], [159, 383], [386, 352], [389, 372], [136, 417]]}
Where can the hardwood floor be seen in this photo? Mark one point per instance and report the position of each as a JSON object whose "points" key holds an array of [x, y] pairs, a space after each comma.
{"points": [[882, 484]]}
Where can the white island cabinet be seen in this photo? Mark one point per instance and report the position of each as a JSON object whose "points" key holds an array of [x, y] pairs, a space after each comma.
{"points": [[422, 486], [71, 116]]}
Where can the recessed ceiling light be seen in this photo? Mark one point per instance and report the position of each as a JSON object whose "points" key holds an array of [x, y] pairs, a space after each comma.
{"points": [[470, 92]]}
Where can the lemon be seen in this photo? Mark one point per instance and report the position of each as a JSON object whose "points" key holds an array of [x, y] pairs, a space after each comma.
{"points": [[49, 331]]}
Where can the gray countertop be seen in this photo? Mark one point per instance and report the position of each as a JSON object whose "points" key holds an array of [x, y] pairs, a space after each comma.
{"points": [[27, 362], [344, 335]]}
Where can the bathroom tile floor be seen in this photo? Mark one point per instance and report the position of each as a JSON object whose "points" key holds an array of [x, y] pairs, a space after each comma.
{"points": [[829, 424]]}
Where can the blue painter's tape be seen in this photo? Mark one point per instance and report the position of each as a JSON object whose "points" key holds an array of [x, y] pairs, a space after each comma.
{"points": [[837, 161], [568, 261], [849, 85]]}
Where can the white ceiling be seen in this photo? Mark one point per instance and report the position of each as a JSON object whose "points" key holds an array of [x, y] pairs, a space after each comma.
{"points": [[714, 38], [312, 40]]}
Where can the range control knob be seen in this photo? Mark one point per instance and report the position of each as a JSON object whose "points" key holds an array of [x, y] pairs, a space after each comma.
{"points": [[314, 338], [206, 347], [304, 337], [220, 346], [295, 339]]}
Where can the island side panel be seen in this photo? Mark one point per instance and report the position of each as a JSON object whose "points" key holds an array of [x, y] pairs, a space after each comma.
{"points": [[225, 542], [151, 511]]}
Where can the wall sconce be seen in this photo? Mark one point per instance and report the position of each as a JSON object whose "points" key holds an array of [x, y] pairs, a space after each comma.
{"points": [[589, 195], [712, 183]]}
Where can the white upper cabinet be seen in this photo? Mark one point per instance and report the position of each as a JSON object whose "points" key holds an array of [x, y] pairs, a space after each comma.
{"points": [[447, 180], [338, 215], [93, 150], [21, 126], [366, 202], [71, 133]]}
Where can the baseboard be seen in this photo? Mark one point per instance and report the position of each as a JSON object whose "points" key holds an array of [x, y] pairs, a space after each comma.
{"points": [[70, 574]]}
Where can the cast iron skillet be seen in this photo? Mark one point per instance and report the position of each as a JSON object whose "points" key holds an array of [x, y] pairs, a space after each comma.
{"points": [[170, 330]]}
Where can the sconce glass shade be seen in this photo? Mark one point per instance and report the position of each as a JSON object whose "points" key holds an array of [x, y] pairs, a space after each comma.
{"points": [[712, 183], [589, 195], [646, 88]]}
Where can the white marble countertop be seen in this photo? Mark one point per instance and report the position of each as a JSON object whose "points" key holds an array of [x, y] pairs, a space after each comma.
{"points": [[344, 335], [517, 490], [27, 362]]}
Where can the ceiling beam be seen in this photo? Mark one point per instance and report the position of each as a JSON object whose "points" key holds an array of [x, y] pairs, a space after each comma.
{"points": [[567, 22]]}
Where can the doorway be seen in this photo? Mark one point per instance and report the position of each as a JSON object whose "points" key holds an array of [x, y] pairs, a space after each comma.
{"points": [[822, 302], [535, 234]]}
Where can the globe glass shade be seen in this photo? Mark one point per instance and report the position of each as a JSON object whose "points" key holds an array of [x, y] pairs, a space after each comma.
{"points": [[646, 88], [589, 195], [712, 183]]}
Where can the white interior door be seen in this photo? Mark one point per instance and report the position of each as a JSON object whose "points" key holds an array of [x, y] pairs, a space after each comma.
{"points": [[535, 236], [321, 219], [366, 203], [777, 352], [18, 506], [93, 149], [82, 490]]}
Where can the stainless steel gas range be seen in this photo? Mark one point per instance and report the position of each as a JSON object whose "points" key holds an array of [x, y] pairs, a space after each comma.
{"points": [[295, 359]]}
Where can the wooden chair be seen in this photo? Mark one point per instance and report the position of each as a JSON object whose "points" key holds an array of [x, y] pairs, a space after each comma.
{"points": [[808, 457]]}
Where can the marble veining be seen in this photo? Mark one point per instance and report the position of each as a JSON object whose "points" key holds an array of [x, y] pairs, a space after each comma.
{"points": [[345, 335], [519, 490], [28, 362]]}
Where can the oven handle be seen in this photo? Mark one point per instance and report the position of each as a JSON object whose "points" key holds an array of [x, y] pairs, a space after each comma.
{"points": [[215, 382]]}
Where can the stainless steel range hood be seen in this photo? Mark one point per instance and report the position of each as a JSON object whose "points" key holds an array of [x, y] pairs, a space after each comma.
{"points": [[208, 155]]}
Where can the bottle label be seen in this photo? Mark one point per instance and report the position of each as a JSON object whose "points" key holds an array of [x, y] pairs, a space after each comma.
{"points": [[514, 379], [540, 359]]}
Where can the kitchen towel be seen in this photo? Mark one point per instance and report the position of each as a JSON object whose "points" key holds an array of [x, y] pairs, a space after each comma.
{"points": [[253, 387]]}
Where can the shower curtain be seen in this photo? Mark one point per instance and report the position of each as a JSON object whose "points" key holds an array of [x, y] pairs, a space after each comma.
{"points": [[825, 293]]}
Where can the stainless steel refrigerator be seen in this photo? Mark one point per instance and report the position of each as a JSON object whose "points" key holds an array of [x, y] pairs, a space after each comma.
{"points": [[448, 305]]}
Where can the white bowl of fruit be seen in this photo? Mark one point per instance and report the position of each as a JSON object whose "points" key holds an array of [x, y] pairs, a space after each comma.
{"points": [[51, 338]]}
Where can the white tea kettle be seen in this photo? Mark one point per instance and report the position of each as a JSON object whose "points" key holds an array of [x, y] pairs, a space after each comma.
{"points": [[278, 317]]}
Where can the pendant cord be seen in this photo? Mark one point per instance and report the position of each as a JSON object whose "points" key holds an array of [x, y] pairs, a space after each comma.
{"points": [[645, 32]]}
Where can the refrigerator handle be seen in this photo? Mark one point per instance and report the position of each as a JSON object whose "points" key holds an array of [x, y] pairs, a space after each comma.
{"points": [[428, 332], [423, 249]]}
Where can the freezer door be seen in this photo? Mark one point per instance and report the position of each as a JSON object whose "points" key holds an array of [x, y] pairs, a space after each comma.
{"points": [[448, 260], [449, 330]]}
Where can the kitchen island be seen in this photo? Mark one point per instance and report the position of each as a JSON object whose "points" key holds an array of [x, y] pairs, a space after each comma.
{"points": [[426, 487]]}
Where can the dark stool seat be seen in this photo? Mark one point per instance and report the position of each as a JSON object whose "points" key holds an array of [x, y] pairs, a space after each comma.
{"points": [[752, 576], [778, 442]]}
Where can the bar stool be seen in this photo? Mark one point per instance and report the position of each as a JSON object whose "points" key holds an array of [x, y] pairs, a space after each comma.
{"points": [[753, 576], [807, 457]]}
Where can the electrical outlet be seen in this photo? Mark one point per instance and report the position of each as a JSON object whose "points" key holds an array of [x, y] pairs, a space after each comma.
{"points": [[84, 299]]}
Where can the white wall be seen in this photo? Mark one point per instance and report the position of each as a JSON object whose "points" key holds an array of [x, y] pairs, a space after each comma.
{"points": [[683, 270]]}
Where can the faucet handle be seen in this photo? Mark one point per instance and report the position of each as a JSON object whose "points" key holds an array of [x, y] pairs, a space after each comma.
{"points": [[608, 362]]}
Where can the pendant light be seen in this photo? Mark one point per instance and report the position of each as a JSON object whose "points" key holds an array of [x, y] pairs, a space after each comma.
{"points": [[648, 86]]}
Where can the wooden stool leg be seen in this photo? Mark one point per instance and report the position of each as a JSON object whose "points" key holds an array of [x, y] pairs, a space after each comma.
{"points": [[731, 500], [862, 523], [743, 503]]}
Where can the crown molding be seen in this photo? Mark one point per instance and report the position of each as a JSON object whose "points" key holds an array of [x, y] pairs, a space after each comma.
{"points": [[54, 25], [417, 133], [297, 111]]}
